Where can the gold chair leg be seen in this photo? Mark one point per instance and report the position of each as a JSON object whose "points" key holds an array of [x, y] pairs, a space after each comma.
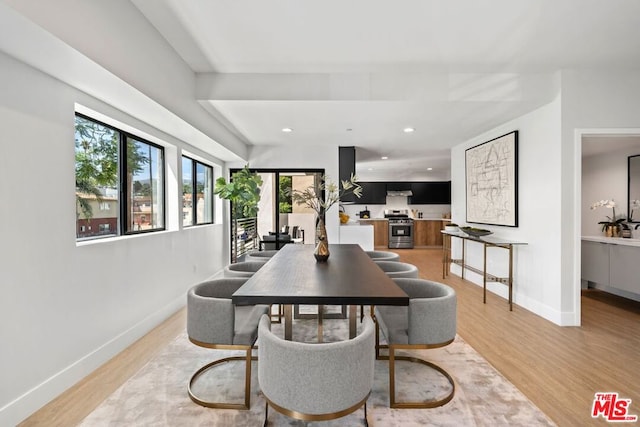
{"points": [[392, 383], [247, 383], [378, 346]]}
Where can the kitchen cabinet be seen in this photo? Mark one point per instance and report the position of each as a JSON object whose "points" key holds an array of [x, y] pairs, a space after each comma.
{"points": [[398, 186], [430, 193], [427, 233], [373, 193]]}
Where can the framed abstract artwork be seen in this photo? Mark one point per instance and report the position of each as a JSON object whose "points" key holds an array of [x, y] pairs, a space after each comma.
{"points": [[491, 175]]}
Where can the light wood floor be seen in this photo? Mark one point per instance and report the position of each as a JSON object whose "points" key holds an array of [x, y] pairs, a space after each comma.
{"points": [[558, 368]]}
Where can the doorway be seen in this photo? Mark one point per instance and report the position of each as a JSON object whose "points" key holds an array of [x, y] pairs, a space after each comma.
{"points": [[601, 174], [279, 221]]}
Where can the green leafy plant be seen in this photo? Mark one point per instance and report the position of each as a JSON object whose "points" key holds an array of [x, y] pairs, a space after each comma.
{"points": [[243, 191]]}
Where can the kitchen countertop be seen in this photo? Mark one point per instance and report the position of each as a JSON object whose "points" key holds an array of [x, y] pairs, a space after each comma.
{"points": [[612, 240]]}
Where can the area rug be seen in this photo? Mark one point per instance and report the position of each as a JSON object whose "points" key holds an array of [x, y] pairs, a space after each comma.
{"points": [[157, 394]]}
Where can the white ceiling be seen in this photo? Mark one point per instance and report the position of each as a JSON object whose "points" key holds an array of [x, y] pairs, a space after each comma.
{"points": [[450, 69]]}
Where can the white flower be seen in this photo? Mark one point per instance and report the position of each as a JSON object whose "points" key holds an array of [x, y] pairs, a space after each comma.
{"points": [[604, 203]]}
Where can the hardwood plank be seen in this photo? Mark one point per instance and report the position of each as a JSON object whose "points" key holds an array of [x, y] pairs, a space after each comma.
{"points": [[77, 402], [558, 368]]}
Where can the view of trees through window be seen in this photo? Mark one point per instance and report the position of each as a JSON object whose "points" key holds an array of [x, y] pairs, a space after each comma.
{"points": [[106, 160], [197, 184], [285, 194]]}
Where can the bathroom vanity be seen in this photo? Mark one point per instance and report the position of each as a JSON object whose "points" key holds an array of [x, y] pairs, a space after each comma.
{"points": [[611, 264]]}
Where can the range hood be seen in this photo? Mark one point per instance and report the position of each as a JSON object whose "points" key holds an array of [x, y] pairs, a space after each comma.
{"points": [[399, 193]]}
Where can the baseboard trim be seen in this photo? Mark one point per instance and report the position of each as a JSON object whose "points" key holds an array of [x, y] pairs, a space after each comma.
{"points": [[534, 306], [28, 403]]}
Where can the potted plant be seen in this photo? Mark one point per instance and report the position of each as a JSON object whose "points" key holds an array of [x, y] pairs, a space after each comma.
{"points": [[612, 226], [320, 198], [243, 191]]}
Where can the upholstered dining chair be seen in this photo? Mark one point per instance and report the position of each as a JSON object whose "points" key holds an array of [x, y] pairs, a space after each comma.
{"points": [[214, 322], [395, 270], [247, 269], [383, 255], [260, 256], [242, 269], [316, 382], [428, 322]]}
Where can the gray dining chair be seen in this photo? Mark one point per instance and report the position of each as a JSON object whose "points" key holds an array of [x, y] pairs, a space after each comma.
{"points": [[316, 382], [428, 322], [260, 256], [247, 269], [242, 269], [383, 255], [395, 270], [213, 321]]}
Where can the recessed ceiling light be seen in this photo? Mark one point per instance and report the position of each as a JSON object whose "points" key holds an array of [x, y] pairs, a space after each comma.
{"points": [[408, 130], [370, 169], [287, 130], [384, 157], [429, 169]]}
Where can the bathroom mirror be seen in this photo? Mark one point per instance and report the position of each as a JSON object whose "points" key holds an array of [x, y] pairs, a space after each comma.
{"points": [[633, 187]]}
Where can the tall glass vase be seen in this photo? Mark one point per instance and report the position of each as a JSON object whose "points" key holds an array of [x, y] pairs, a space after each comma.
{"points": [[321, 252]]}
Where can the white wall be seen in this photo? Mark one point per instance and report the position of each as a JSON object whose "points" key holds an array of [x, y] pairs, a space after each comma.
{"points": [[594, 102], [113, 38], [537, 265], [395, 202], [604, 176], [68, 307]]}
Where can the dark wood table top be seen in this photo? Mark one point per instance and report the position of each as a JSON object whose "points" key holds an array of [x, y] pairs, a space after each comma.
{"points": [[293, 276]]}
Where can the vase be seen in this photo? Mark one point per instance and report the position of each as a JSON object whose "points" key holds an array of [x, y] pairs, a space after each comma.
{"points": [[321, 252], [611, 231]]}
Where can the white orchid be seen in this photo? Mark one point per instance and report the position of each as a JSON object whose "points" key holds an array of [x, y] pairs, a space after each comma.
{"points": [[604, 203], [611, 220]]}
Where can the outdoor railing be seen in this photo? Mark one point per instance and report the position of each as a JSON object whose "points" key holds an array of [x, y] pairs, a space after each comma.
{"points": [[247, 239]]}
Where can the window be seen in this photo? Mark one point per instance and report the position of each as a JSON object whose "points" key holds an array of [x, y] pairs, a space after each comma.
{"points": [[197, 192], [119, 181]]}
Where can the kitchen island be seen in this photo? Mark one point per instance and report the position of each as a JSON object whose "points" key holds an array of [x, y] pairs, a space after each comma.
{"points": [[358, 233]]}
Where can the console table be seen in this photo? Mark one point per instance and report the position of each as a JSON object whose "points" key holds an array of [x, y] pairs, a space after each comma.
{"points": [[486, 241]]}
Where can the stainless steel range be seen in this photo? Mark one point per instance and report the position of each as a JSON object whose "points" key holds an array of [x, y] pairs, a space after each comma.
{"points": [[400, 229]]}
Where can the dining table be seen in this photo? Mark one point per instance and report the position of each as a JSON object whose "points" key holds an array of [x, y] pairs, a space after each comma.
{"points": [[293, 276]]}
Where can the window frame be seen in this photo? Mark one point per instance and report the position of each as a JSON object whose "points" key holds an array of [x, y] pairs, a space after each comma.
{"points": [[124, 195], [194, 189]]}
